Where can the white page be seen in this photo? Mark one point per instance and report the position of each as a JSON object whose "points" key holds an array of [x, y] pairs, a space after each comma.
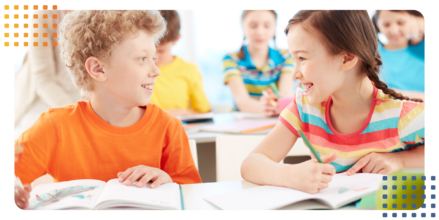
{"points": [[166, 196], [274, 197], [66, 195]]}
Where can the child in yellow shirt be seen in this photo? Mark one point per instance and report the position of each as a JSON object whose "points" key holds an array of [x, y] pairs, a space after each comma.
{"points": [[179, 89]]}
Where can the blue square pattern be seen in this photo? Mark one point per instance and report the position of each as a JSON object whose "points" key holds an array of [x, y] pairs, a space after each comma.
{"points": [[414, 214], [433, 187], [433, 205], [404, 178], [384, 196], [394, 206], [433, 196], [433, 215], [384, 215], [413, 187], [404, 206], [384, 206], [404, 196], [423, 178], [404, 215], [384, 187], [413, 206], [413, 177], [394, 187], [394, 196], [433, 178], [423, 206], [423, 196], [423, 215], [404, 187], [413, 196], [423, 187], [394, 215], [384, 178], [394, 177]]}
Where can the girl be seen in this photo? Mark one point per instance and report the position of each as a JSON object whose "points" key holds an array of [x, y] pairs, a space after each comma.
{"points": [[403, 55], [256, 65], [350, 117]]}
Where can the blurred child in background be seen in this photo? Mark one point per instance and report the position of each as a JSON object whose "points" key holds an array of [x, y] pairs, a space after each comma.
{"points": [[179, 89], [255, 66], [403, 55]]}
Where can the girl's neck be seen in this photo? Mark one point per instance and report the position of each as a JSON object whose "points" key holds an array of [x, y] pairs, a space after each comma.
{"points": [[357, 97], [259, 55], [114, 113], [396, 47]]}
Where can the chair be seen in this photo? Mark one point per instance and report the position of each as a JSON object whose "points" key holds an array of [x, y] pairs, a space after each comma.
{"points": [[193, 146], [231, 150]]}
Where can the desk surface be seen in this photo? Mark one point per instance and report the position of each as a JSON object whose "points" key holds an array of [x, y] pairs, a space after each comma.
{"points": [[221, 118], [194, 194]]}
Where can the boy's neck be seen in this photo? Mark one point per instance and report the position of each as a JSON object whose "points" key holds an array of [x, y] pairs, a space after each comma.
{"points": [[165, 61], [114, 113]]}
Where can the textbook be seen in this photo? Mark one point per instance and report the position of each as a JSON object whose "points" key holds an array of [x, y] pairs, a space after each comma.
{"points": [[96, 194], [197, 117], [341, 191], [242, 126]]}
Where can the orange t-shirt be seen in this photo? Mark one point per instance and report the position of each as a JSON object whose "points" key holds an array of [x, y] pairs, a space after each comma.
{"points": [[73, 142]]}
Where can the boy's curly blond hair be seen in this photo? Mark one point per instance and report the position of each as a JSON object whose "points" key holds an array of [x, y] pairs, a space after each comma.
{"points": [[95, 33]]}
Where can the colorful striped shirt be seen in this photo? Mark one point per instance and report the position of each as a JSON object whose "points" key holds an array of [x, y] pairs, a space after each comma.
{"points": [[256, 80], [392, 125]]}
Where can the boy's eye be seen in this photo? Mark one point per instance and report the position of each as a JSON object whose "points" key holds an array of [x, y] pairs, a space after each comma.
{"points": [[142, 58]]}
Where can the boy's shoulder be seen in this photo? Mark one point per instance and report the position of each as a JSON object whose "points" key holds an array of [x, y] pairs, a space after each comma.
{"points": [[67, 110], [184, 65], [163, 117]]}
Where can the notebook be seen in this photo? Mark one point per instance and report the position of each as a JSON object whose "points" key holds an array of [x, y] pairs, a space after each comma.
{"points": [[96, 194], [242, 126], [246, 115], [342, 190], [197, 117]]}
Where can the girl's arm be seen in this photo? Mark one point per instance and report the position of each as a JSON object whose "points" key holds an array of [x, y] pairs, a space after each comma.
{"points": [[286, 86], [245, 103], [262, 165]]}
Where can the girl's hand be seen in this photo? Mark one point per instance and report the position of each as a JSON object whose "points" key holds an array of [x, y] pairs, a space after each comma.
{"points": [[310, 176], [381, 163], [22, 196], [268, 103], [144, 174]]}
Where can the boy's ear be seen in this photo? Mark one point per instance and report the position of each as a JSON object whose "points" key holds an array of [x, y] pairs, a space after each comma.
{"points": [[176, 40], [348, 61], [95, 70]]}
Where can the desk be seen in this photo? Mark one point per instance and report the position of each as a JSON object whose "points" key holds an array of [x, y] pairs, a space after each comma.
{"points": [[206, 146], [194, 194]]}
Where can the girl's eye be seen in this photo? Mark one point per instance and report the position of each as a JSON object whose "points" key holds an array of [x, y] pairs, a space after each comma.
{"points": [[155, 58], [301, 58]]}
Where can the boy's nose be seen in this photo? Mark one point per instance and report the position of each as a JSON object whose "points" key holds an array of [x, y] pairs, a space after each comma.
{"points": [[155, 71]]}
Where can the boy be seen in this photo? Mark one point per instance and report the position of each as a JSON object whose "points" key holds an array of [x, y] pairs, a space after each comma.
{"points": [[179, 89], [116, 133]]}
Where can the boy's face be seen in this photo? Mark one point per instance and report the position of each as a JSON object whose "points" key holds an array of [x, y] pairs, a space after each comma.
{"points": [[131, 71], [163, 53]]}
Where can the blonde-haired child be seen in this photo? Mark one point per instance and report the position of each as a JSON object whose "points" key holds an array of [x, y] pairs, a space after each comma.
{"points": [[350, 117], [116, 133]]}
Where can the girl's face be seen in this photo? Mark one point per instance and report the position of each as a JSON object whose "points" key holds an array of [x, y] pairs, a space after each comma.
{"points": [[318, 71], [259, 28], [131, 70], [395, 26]]}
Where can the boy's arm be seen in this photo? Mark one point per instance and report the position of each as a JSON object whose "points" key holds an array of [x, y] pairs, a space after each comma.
{"points": [[197, 96], [38, 149], [177, 160]]}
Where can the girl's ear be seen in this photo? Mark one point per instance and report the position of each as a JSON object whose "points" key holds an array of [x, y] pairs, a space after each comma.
{"points": [[95, 70], [348, 61]]}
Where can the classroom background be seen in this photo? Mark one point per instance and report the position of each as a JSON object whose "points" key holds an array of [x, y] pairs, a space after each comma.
{"points": [[195, 46]]}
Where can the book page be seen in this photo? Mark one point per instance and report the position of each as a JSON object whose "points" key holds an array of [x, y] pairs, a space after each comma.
{"points": [[116, 194], [74, 194], [341, 190], [242, 126]]}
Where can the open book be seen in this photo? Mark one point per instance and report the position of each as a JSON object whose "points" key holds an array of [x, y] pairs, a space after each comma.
{"points": [[96, 194], [342, 190]]}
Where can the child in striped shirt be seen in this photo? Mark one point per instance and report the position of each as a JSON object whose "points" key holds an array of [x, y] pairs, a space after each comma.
{"points": [[350, 117]]}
